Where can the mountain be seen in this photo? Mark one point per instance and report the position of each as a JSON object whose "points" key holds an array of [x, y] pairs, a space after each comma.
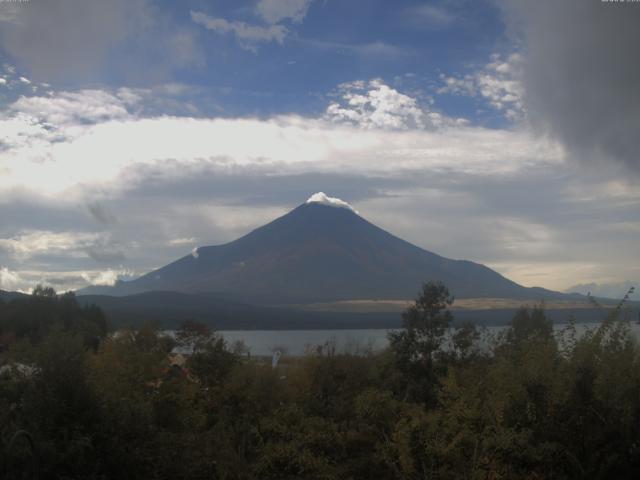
{"points": [[320, 251], [604, 290], [8, 296]]}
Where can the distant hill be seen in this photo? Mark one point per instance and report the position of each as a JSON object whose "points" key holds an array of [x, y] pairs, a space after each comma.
{"points": [[604, 290], [169, 309], [8, 296], [321, 252]]}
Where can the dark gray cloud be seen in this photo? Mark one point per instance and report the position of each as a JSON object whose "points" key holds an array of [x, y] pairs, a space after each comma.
{"points": [[106, 249], [22, 210], [254, 185], [68, 37], [105, 254], [582, 74], [100, 213], [64, 281], [73, 40]]}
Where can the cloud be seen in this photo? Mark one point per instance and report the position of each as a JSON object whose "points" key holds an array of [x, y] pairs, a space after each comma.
{"points": [[79, 107], [170, 179], [375, 49], [608, 290], [428, 15], [499, 83], [182, 241], [183, 49], [557, 230], [100, 214], [105, 253], [68, 40], [374, 123], [50, 40], [10, 11], [374, 105], [9, 280], [581, 75], [525, 226], [105, 278], [324, 199], [31, 243], [248, 35], [275, 11], [26, 280], [18, 84]]}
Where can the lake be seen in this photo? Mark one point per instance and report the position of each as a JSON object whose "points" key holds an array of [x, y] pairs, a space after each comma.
{"points": [[296, 342]]}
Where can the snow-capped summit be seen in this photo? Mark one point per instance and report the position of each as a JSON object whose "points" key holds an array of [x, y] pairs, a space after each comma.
{"points": [[324, 199]]}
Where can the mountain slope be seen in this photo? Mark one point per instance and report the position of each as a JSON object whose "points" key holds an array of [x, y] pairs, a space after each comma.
{"points": [[318, 252], [8, 296]]}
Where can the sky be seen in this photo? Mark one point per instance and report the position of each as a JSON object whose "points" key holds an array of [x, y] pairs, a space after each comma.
{"points": [[503, 132]]}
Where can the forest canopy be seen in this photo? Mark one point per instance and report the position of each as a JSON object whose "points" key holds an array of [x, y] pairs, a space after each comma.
{"points": [[78, 401]]}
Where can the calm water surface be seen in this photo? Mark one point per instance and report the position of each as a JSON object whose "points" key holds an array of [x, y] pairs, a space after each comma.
{"points": [[296, 342]]}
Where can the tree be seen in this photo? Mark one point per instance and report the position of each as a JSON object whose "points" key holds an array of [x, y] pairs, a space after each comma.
{"points": [[60, 408], [464, 339], [193, 335], [211, 361], [530, 324], [44, 292], [416, 346], [33, 317]]}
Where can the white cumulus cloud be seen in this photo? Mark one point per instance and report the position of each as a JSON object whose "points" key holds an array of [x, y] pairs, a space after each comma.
{"points": [[375, 105], [9, 280], [378, 130], [81, 107], [499, 82], [26, 280], [106, 277]]}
